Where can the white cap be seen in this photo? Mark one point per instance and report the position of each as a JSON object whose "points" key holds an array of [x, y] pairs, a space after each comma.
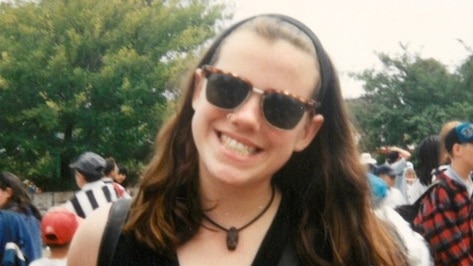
{"points": [[366, 158]]}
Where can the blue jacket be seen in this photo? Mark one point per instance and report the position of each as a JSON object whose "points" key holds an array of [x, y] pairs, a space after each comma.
{"points": [[24, 230]]}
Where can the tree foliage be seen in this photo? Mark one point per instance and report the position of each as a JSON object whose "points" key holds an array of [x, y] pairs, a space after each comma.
{"points": [[409, 99], [79, 75]]}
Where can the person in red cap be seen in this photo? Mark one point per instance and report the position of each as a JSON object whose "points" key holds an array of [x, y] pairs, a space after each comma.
{"points": [[58, 227]]}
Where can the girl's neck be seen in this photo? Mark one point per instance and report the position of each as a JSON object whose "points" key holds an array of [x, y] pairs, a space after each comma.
{"points": [[230, 204]]}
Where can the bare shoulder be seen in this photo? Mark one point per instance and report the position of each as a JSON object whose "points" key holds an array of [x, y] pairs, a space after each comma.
{"points": [[86, 242]]}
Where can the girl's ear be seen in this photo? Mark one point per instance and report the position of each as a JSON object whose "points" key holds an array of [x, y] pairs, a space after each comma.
{"points": [[198, 85], [311, 128]]}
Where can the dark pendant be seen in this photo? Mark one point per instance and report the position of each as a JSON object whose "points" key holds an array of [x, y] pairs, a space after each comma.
{"points": [[232, 238]]}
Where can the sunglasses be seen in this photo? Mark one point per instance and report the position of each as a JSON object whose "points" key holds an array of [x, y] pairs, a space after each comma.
{"points": [[281, 109]]}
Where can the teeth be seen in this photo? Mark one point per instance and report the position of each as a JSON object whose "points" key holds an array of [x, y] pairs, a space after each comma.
{"points": [[236, 146]]}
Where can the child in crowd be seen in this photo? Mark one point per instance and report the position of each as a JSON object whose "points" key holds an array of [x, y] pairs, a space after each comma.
{"points": [[58, 226], [414, 188]]}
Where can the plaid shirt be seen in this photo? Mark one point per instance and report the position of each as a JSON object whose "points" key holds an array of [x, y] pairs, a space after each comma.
{"points": [[445, 220]]}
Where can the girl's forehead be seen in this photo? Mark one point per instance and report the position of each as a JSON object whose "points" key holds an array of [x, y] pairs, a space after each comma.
{"points": [[273, 64]]}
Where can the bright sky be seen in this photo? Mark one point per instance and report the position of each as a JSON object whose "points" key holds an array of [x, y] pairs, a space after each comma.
{"points": [[353, 30]]}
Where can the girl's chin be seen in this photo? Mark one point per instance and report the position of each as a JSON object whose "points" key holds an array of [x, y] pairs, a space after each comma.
{"points": [[229, 175]]}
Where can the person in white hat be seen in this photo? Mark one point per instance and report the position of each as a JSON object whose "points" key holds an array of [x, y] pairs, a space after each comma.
{"points": [[367, 160]]}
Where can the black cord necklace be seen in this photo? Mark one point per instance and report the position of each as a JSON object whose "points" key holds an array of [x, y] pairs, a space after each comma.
{"points": [[232, 233]]}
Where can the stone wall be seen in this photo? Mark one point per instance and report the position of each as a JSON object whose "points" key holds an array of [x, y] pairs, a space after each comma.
{"points": [[44, 201]]}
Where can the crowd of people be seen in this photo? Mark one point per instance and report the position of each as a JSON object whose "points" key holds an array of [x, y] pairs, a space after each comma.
{"points": [[258, 166], [444, 161], [25, 234]]}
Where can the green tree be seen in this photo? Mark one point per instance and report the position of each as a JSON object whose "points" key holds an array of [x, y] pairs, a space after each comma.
{"points": [[409, 99], [81, 75]]}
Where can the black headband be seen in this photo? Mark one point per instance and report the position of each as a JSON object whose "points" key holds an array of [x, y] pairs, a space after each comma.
{"points": [[322, 57]]}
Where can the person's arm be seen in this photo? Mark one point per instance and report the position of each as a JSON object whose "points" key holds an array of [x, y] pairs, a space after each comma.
{"points": [[403, 153], [84, 247]]}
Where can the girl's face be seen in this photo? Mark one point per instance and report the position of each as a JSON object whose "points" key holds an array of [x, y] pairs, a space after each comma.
{"points": [[244, 148], [120, 178], [410, 174], [5, 195]]}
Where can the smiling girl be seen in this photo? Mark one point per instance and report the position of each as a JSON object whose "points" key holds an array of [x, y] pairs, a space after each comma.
{"points": [[257, 167]]}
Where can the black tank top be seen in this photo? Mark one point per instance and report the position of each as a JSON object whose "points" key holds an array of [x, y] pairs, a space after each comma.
{"points": [[130, 252]]}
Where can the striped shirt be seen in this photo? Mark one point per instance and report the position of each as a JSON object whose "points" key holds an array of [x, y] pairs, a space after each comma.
{"points": [[90, 197]]}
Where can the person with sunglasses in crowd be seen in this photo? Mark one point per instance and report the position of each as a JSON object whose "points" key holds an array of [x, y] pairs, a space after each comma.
{"points": [[20, 229], [258, 166]]}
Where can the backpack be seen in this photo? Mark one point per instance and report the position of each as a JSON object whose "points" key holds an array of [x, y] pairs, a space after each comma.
{"points": [[410, 211], [117, 218]]}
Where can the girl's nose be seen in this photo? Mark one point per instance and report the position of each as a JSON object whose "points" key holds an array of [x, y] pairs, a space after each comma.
{"points": [[248, 114]]}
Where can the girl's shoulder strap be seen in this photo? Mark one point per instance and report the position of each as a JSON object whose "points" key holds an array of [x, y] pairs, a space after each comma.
{"points": [[117, 217]]}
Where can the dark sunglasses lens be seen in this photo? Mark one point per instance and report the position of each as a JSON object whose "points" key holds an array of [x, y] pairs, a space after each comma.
{"points": [[225, 91], [282, 111]]}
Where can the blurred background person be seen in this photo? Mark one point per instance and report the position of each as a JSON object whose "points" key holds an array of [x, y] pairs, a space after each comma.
{"points": [[111, 172], [368, 161], [394, 197], [445, 219], [417, 247], [58, 226], [379, 188], [19, 218], [414, 188], [428, 154], [122, 174], [444, 158], [94, 192], [123, 180], [398, 158]]}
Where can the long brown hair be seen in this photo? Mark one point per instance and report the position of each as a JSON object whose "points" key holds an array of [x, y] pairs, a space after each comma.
{"points": [[20, 200], [327, 185]]}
